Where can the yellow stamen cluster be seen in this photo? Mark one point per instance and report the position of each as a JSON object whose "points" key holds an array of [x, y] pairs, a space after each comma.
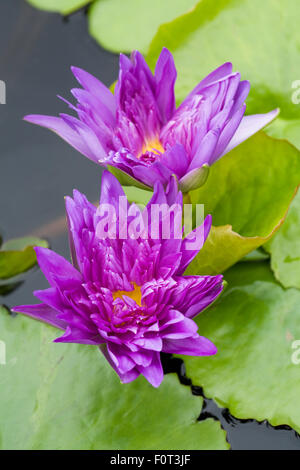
{"points": [[153, 145], [134, 294]]}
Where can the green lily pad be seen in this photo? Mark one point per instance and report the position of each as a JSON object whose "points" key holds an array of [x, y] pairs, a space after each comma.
{"points": [[256, 255], [248, 193], [3, 310], [71, 388], [139, 196], [17, 256], [286, 129], [65, 7], [256, 372], [261, 39], [284, 248], [222, 249], [124, 26]]}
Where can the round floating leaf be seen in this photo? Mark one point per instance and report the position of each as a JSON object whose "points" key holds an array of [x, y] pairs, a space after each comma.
{"points": [[261, 39], [65, 7], [256, 372], [124, 26], [248, 193], [222, 249], [286, 129], [284, 248], [46, 387], [17, 244], [17, 256]]}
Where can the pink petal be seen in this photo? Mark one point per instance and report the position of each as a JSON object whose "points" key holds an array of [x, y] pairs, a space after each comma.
{"points": [[248, 127], [43, 313]]}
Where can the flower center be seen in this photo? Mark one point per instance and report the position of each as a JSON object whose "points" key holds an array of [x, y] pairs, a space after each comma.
{"points": [[151, 149], [134, 294]]}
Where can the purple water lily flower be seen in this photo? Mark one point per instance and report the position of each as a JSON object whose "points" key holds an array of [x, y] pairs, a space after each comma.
{"points": [[139, 130], [129, 296]]}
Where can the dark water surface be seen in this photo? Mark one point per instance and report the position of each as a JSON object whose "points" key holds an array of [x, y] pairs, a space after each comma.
{"points": [[38, 169]]}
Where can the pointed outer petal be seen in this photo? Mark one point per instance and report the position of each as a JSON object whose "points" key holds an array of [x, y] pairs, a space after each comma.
{"points": [[149, 175], [135, 68], [69, 204], [64, 130], [103, 131], [76, 335], [169, 265], [111, 190], [96, 151], [125, 378], [172, 316], [231, 89], [200, 234], [184, 328], [193, 294], [164, 173], [194, 179], [206, 149], [95, 87], [217, 74], [87, 99], [51, 298], [176, 160], [54, 266], [159, 195], [71, 106], [210, 297], [122, 361], [154, 372], [220, 119], [43, 313], [165, 77], [154, 343], [103, 349], [129, 376], [142, 357], [141, 66], [81, 222], [172, 192], [240, 96], [125, 65], [227, 134], [85, 205], [193, 346], [249, 126], [80, 215]]}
